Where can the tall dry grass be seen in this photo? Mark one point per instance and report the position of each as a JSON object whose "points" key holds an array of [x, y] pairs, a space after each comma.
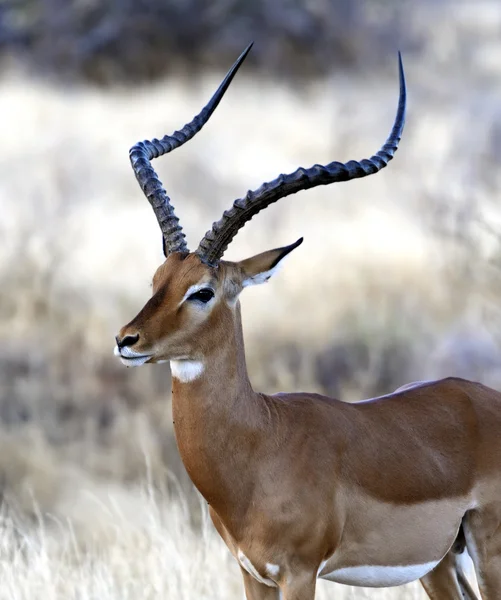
{"points": [[114, 543], [398, 279]]}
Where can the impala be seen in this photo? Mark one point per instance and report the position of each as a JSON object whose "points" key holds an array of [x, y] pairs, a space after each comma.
{"points": [[300, 486]]}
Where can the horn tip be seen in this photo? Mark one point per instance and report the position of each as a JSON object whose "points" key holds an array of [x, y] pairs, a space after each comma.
{"points": [[245, 52], [401, 72]]}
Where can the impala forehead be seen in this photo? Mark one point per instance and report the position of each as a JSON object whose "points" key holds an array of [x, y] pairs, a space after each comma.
{"points": [[179, 276], [179, 273]]}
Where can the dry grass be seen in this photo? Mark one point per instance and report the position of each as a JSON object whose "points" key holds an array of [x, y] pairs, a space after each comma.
{"points": [[398, 279], [109, 543]]}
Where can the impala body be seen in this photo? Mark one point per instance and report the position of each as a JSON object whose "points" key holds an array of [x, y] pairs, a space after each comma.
{"points": [[300, 486]]}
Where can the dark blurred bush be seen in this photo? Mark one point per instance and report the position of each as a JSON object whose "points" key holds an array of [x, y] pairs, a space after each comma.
{"points": [[134, 40]]}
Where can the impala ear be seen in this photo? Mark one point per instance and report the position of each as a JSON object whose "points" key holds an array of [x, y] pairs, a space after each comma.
{"points": [[259, 268]]}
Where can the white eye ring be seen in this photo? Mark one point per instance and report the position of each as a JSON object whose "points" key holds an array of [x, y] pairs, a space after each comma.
{"points": [[194, 289], [202, 295]]}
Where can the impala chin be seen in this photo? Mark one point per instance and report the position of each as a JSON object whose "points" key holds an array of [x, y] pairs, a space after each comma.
{"points": [[131, 358]]}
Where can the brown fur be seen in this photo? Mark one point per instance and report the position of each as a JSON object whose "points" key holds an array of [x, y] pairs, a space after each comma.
{"points": [[298, 479]]}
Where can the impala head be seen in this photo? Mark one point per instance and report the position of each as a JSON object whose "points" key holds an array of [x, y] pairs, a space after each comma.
{"points": [[191, 302], [195, 293]]}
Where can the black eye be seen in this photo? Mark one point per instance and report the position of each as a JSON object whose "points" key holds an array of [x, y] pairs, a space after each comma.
{"points": [[203, 295]]}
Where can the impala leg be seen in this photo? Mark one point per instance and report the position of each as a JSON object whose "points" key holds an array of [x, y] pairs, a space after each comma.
{"points": [[254, 590], [483, 537], [446, 583], [299, 587]]}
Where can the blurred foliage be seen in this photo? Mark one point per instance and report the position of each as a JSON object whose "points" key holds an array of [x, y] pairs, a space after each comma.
{"points": [[133, 40]]}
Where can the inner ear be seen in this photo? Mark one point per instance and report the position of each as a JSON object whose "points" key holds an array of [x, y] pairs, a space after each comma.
{"points": [[258, 269]]}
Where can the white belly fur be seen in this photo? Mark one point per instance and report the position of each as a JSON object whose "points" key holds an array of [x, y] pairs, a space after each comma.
{"points": [[388, 545], [378, 575]]}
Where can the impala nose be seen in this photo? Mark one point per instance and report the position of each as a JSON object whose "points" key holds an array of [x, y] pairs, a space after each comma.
{"points": [[128, 340]]}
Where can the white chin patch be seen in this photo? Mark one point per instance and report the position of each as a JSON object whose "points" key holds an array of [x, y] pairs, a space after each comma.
{"points": [[134, 362], [186, 370], [129, 357]]}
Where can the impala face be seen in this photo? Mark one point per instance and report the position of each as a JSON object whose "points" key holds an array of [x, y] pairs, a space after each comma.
{"points": [[192, 303], [185, 294]]}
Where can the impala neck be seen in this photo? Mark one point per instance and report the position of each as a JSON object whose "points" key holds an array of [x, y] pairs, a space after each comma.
{"points": [[219, 376], [214, 410]]}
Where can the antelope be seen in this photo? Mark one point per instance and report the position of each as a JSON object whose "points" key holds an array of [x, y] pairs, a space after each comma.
{"points": [[300, 486]]}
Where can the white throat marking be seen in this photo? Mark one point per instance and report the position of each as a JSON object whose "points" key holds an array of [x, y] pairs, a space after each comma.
{"points": [[186, 370]]}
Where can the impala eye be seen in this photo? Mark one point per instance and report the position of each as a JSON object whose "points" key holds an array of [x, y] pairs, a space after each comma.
{"points": [[203, 295]]}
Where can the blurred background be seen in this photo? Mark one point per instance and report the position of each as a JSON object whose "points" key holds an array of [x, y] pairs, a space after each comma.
{"points": [[397, 280]]}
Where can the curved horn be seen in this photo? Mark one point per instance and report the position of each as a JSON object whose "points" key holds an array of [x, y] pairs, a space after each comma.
{"points": [[215, 241], [142, 153]]}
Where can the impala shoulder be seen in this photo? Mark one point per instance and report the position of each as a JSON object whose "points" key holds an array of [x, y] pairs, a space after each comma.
{"points": [[325, 419]]}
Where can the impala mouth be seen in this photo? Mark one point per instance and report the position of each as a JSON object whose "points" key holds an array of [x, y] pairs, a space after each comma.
{"points": [[130, 358]]}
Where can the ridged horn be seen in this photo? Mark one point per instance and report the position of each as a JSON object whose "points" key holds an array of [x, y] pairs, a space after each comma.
{"points": [[142, 153], [215, 241]]}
